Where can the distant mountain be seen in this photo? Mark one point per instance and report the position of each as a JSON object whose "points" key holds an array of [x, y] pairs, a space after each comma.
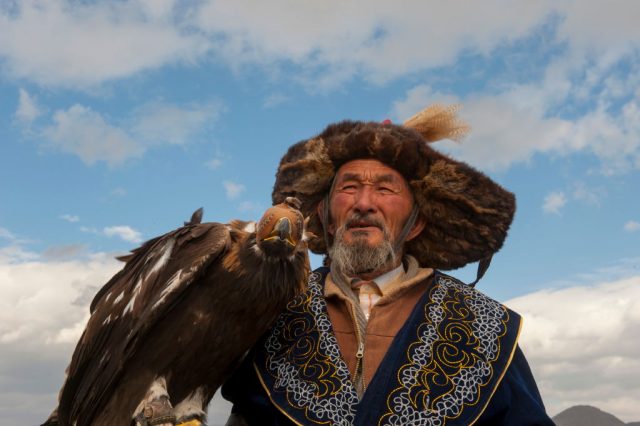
{"points": [[586, 415]]}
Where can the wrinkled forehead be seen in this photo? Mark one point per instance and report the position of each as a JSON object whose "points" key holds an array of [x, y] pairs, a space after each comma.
{"points": [[369, 171]]}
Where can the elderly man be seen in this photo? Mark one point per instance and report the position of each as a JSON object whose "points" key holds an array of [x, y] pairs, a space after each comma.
{"points": [[382, 336]]}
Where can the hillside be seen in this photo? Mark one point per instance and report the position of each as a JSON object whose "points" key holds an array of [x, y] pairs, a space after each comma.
{"points": [[586, 415]]}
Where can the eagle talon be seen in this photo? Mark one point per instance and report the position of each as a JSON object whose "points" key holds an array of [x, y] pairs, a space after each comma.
{"points": [[157, 412], [168, 420], [190, 421]]}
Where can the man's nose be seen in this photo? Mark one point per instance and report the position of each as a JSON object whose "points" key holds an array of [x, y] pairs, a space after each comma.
{"points": [[365, 200]]}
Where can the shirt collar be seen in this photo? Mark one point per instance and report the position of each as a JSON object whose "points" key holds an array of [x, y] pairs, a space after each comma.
{"points": [[412, 275], [383, 280]]}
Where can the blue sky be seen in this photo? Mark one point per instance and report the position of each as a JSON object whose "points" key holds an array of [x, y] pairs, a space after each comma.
{"points": [[119, 118]]}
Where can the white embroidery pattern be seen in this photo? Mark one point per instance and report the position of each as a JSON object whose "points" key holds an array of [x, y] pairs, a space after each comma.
{"points": [[475, 317], [335, 398]]}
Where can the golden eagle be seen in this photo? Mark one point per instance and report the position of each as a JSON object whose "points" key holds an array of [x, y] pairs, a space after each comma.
{"points": [[167, 330]]}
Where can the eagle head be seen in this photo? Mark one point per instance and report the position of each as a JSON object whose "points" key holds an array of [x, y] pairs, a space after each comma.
{"points": [[279, 231]]}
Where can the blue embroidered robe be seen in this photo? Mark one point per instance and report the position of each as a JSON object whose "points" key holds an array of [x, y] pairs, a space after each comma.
{"points": [[454, 362]]}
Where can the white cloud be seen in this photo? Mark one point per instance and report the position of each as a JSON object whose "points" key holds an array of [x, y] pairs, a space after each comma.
{"points": [[89, 135], [6, 234], [249, 207], [66, 251], [587, 194], [600, 27], [118, 192], [503, 131], [85, 133], [554, 202], [611, 136], [214, 163], [274, 100], [334, 41], [70, 218], [15, 253], [163, 123], [43, 309], [513, 125], [123, 232], [80, 44], [380, 41], [418, 98], [632, 226], [28, 109], [13, 249], [233, 189], [587, 99], [217, 160], [581, 342]]}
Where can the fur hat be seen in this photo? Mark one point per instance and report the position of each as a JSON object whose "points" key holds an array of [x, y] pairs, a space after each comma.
{"points": [[467, 214]]}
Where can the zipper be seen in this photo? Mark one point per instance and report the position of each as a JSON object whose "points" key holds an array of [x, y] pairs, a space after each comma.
{"points": [[360, 365], [359, 376]]}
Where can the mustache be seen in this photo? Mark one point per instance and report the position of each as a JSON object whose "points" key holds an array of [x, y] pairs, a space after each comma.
{"points": [[358, 220]]}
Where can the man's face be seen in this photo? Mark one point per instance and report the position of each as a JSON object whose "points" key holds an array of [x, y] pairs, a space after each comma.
{"points": [[367, 197]]}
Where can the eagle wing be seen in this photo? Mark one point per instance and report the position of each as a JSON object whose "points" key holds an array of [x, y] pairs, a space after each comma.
{"points": [[153, 279]]}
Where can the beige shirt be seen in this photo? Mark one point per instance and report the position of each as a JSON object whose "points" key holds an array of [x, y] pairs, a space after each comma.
{"points": [[386, 318], [371, 292]]}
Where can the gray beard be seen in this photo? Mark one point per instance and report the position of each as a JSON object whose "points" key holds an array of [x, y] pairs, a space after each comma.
{"points": [[359, 257]]}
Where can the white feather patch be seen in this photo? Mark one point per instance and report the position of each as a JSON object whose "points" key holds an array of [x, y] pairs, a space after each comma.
{"points": [[173, 282], [257, 249], [107, 320], [191, 405], [164, 258], [132, 300], [250, 227], [119, 298]]}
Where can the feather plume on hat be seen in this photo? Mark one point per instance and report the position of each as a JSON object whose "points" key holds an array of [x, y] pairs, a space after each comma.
{"points": [[437, 122]]}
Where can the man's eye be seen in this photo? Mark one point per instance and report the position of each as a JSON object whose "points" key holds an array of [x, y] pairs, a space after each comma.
{"points": [[386, 190]]}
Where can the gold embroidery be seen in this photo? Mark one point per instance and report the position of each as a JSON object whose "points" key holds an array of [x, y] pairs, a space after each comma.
{"points": [[452, 356], [304, 362]]}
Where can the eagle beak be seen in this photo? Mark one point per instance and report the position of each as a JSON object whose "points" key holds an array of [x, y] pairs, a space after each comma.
{"points": [[282, 232]]}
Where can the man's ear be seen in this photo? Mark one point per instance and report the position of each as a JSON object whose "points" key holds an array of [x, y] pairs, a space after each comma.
{"points": [[417, 228]]}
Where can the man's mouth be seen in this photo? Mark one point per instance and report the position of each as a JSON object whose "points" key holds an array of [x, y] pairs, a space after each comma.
{"points": [[362, 225]]}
